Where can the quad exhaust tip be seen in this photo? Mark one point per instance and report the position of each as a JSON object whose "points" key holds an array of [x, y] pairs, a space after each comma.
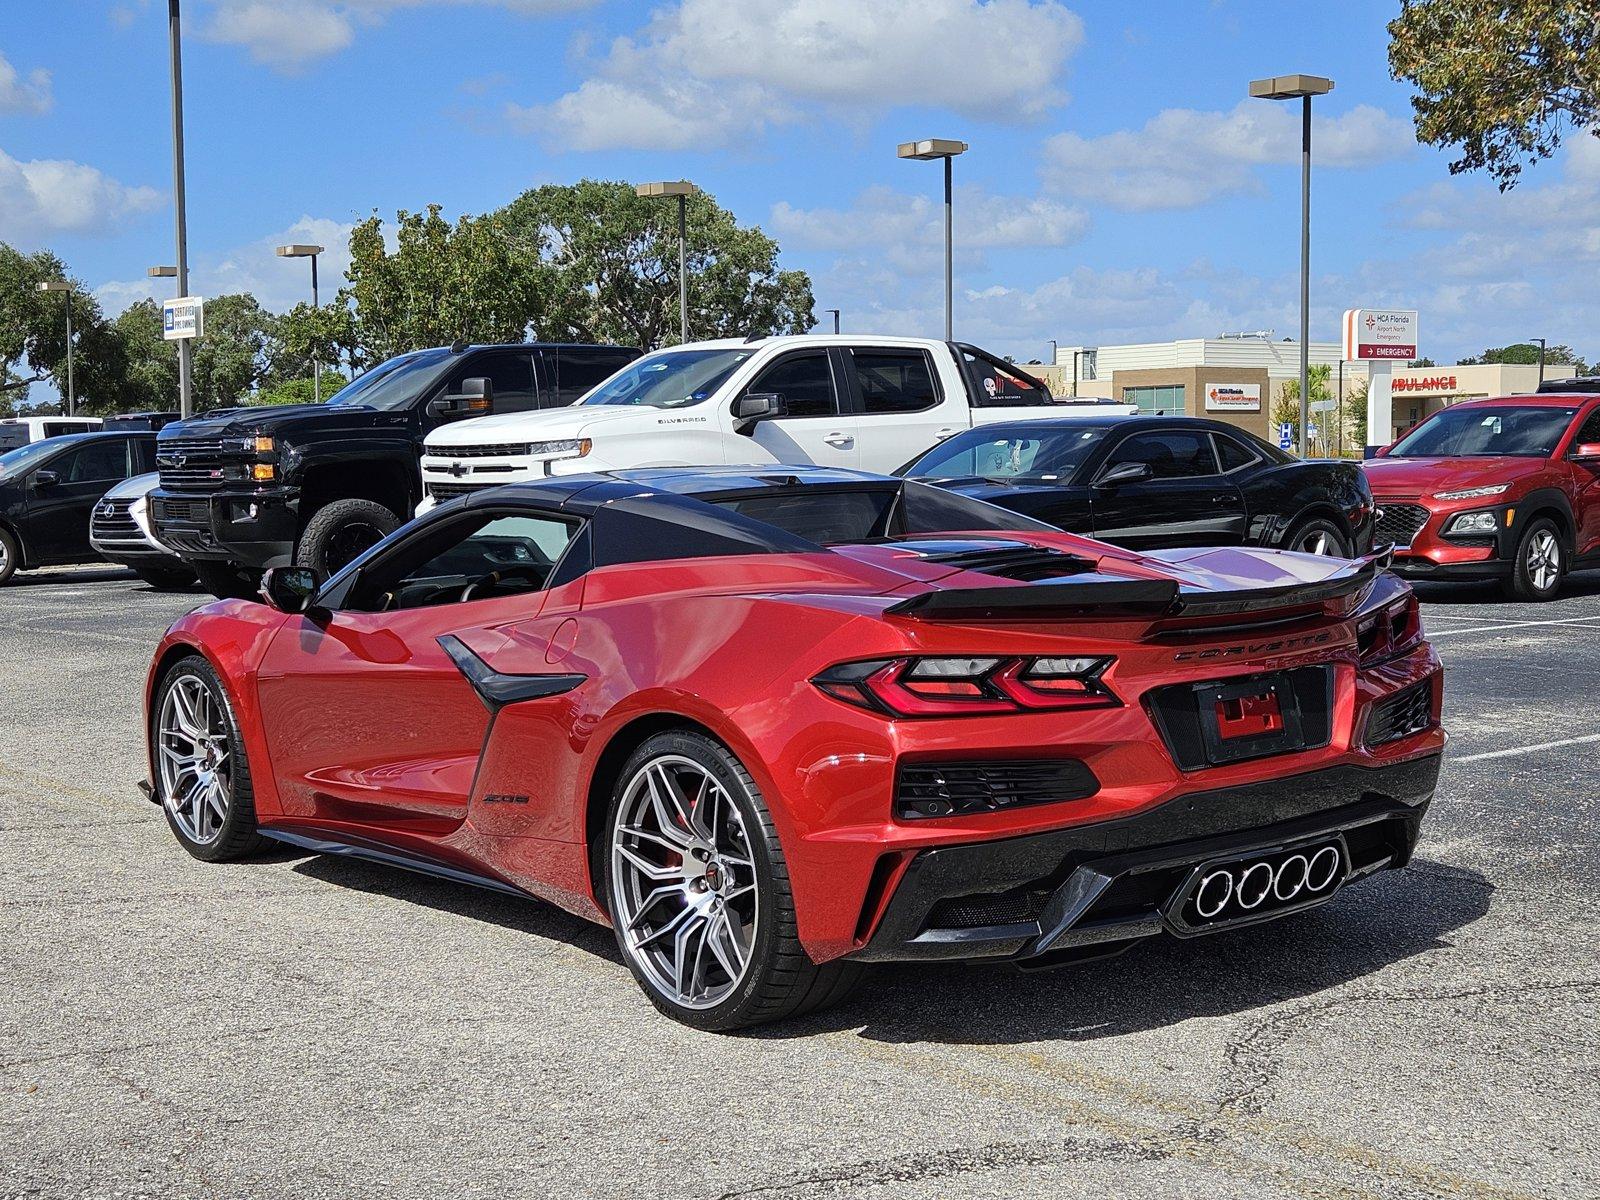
{"points": [[1245, 887]]}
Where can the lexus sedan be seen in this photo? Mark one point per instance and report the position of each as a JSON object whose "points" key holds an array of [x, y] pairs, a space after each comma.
{"points": [[773, 725]]}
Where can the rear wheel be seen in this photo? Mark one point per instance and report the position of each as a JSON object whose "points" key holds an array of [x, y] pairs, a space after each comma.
{"points": [[10, 556], [202, 774], [1541, 559], [338, 532], [1318, 535], [699, 891], [226, 581]]}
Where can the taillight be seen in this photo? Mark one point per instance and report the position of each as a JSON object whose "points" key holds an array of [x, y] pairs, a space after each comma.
{"points": [[960, 687], [1390, 631]]}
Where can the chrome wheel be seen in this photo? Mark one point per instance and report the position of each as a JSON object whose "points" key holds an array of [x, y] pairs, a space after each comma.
{"points": [[1544, 560], [194, 746], [1319, 541], [683, 882]]}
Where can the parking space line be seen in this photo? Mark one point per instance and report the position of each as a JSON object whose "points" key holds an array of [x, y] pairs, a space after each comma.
{"points": [[1533, 749], [1575, 622]]}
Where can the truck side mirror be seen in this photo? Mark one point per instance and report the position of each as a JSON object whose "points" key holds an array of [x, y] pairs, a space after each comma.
{"points": [[757, 406], [43, 478], [474, 399], [1127, 472], [290, 589]]}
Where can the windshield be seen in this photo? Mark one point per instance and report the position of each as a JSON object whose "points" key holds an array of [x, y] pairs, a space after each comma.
{"points": [[395, 384], [14, 462], [1037, 456], [1515, 431], [674, 379]]}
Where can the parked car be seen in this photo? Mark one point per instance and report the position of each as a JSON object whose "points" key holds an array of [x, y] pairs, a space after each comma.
{"points": [[1505, 489], [24, 431], [773, 725], [1151, 482], [141, 420], [48, 488], [830, 400], [119, 532], [248, 488]]}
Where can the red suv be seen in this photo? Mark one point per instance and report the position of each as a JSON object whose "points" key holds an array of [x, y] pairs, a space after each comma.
{"points": [[1504, 489]]}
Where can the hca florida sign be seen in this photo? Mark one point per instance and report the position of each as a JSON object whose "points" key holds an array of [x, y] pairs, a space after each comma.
{"points": [[1380, 333]]}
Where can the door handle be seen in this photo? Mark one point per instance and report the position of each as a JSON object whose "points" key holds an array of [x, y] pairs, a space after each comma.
{"points": [[841, 440], [1221, 499]]}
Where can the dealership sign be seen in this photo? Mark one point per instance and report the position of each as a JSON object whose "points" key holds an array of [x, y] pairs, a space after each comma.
{"points": [[1233, 397], [1380, 333], [183, 318]]}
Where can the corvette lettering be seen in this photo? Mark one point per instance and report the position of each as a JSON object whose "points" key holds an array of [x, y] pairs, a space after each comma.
{"points": [[1255, 649]]}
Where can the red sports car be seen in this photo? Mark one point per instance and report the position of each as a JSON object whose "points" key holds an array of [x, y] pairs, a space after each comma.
{"points": [[775, 725]]}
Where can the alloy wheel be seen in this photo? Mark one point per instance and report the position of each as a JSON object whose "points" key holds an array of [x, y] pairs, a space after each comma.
{"points": [[1544, 560], [194, 746], [1318, 541], [684, 882]]}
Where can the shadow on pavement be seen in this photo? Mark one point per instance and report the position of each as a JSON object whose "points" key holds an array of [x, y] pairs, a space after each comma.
{"points": [[1586, 583]]}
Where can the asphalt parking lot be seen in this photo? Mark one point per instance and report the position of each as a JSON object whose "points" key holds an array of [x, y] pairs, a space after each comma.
{"points": [[314, 1027]]}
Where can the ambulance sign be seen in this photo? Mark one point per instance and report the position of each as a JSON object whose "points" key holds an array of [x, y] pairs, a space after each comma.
{"points": [[1380, 333]]}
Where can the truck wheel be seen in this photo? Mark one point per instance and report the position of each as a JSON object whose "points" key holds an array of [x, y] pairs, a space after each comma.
{"points": [[10, 556], [340, 531], [1536, 571], [165, 579], [226, 581]]}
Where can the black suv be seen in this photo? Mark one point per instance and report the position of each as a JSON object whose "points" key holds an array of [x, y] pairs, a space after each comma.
{"points": [[49, 488], [243, 489]]}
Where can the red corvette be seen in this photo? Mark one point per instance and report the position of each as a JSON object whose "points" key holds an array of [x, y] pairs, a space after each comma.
{"points": [[773, 726]]}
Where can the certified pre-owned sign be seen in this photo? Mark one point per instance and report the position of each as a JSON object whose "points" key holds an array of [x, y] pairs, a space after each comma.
{"points": [[1380, 333], [1233, 397]]}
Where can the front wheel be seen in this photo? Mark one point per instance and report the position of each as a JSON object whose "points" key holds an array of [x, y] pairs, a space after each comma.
{"points": [[340, 531], [1318, 535], [10, 556], [1541, 559], [202, 774], [699, 891]]}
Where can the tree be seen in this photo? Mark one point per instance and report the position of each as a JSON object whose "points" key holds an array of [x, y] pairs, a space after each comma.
{"points": [[1527, 354], [151, 381], [1501, 79], [1286, 408], [300, 390], [613, 258], [230, 359], [1355, 418], [33, 334]]}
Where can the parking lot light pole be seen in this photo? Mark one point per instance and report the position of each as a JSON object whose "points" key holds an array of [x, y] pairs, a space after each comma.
{"points": [[947, 149], [1301, 87], [311, 252], [1541, 342], [61, 285], [179, 203], [682, 189], [835, 313]]}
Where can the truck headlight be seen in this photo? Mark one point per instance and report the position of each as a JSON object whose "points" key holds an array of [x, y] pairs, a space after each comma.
{"points": [[1474, 522], [568, 448], [1473, 493]]}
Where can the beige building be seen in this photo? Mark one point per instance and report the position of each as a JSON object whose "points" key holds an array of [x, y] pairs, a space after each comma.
{"points": [[1419, 392]]}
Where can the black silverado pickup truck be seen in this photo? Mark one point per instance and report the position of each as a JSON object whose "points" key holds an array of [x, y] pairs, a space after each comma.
{"points": [[243, 489]]}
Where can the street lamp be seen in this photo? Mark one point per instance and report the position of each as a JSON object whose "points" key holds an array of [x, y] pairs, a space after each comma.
{"points": [[835, 313], [61, 285], [1052, 352], [1302, 87], [1541, 358], [682, 189], [947, 149], [179, 203], [311, 252], [161, 272]]}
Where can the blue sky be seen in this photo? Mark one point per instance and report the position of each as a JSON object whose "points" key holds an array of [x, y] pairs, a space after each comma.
{"points": [[1118, 186]]}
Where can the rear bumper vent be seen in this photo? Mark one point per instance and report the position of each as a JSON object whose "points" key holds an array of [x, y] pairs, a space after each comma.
{"points": [[956, 789], [1408, 711]]}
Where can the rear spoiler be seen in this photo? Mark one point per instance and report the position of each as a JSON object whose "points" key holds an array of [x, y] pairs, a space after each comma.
{"points": [[1087, 596]]}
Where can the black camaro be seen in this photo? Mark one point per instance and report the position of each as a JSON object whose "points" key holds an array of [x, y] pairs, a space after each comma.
{"points": [[1157, 482]]}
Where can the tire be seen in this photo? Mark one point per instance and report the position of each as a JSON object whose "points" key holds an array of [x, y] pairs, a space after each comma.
{"points": [[10, 556], [1318, 535], [166, 579], [339, 531], [1540, 562], [202, 772], [226, 581], [733, 900]]}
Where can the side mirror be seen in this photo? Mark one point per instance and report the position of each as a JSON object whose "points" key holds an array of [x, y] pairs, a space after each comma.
{"points": [[759, 406], [1586, 452], [290, 589], [475, 399], [1128, 472], [43, 478]]}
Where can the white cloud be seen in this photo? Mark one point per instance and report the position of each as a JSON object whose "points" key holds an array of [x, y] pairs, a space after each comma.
{"points": [[289, 34], [44, 196], [279, 283], [707, 73], [18, 95], [1182, 158]]}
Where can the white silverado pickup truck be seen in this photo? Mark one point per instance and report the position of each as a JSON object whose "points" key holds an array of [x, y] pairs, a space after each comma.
{"points": [[872, 403]]}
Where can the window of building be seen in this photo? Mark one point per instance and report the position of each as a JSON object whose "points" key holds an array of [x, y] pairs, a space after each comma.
{"points": [[1166, 399], [1086, 364]]}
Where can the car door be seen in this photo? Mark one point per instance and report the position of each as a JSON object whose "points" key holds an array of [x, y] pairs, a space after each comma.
{"points": [[62, 492], [1185, 501], [813, 429], [898, 405], [369, 718], [1586, 484]]}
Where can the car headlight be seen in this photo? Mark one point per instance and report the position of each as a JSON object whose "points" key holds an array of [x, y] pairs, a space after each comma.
{"points": [[1473, 493], [568, 448], [1474, 522]]}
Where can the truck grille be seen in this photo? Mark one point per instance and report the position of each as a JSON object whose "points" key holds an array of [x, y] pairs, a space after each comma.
{"points": [[503, 450], [449, 491], [1398, 523], [192, 464], [192, 512], [112, 523]]}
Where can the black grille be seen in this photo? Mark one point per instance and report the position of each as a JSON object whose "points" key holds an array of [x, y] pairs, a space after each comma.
{"points": [[503, 450], [1406, 712], [946, 789], [1015, 907], [112, 521], [191, 511], [192, 464], [1398, 523], [449, 491]]}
